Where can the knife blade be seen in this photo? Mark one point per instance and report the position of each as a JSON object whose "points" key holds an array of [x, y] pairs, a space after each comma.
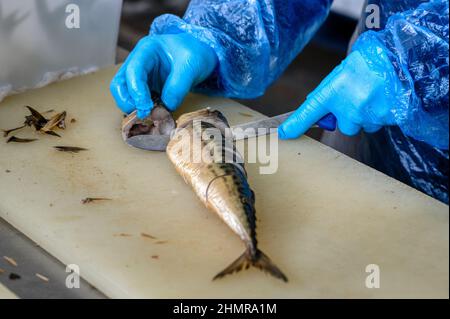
{"points": [[240, 131], [266, 126], [259, 127]]}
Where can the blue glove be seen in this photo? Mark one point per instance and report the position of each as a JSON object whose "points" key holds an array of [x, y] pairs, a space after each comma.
{"points": [[168, 64], [361, 93]]}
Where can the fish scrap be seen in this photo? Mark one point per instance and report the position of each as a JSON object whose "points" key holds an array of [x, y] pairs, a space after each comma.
{"points": [[39, 123], [57, 120], [14, 139], [88, 200], [70, 149], [7, 132], [10, 260], [14, 276], [145, 235], [42, 277]]}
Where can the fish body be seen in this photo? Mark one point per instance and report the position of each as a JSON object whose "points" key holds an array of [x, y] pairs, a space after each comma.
{"points": [[221, 186]]}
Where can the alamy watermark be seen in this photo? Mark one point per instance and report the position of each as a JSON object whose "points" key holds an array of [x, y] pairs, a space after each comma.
{"points": [[373, 279], [213, 145], [373, 17], [73, 278], [73, 16]]}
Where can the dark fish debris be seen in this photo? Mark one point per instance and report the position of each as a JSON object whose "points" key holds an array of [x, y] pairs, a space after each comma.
{"points": [[70, 149], [7, 132], [93, 199], [10, 260], [40, 124], [123, 235], [42, 277], [14, 276], [52, 133], [58, 120], [36, 119], [148, 236], [14, 139]]}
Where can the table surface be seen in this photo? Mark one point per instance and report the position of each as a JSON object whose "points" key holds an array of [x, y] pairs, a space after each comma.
{"points": [[322, 217], [5, 293]]}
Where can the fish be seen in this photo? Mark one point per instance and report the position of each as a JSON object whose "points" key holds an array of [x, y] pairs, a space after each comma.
{"points": [[222, 187]]}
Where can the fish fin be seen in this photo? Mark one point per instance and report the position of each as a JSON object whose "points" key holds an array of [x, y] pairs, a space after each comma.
{"points": [[263, 262], [260, 261], [243, 262]]}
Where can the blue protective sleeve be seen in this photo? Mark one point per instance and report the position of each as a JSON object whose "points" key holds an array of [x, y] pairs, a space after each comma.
{"points": [[416, 42], [255, 40]]}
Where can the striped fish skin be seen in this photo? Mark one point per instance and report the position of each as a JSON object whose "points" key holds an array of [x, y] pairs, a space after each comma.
{"points": [[221, 186]]}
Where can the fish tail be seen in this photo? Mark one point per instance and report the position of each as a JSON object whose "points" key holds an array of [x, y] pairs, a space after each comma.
{"points": [[258, 260]]}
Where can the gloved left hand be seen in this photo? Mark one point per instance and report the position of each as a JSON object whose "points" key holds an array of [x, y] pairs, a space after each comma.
{"points": [[360, 92], [170, 64]]}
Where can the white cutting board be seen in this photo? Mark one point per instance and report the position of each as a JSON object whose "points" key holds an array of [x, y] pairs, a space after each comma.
{"points": [[5, 293], [322, 217]]}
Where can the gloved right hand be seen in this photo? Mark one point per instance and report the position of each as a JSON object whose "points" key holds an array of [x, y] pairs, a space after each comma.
{"points": [[361, 93], [171, 64]]}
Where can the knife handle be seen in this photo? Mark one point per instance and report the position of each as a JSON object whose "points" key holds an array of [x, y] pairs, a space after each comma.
{"points": [[328, 122]]}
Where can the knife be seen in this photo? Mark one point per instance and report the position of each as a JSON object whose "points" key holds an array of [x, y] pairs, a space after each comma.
{"points": [[251, 129]]}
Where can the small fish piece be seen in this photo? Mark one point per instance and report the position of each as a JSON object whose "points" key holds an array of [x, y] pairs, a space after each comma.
{"points": [[52, 133], [58, 120], [42, 277], [1, 271], [148, 236], [36, 119], [36, 114], [15, 139], [14, 276], [10, 260], [123, 235], [221, 186], [62, 124], [159, 122], [70, 149], [88, 200], [7, 132]]}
